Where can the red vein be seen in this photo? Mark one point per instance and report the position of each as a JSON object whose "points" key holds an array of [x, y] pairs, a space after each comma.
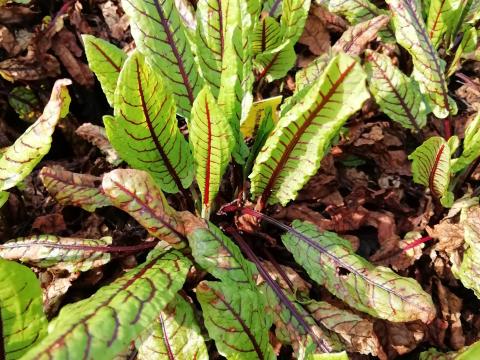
{"points": [[267, 68], [434, 26], [433, 172], [165, 339], [291, 145], [108, 58], [208, 165]]}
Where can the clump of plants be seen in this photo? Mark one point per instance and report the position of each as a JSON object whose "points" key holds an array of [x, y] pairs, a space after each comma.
{"points": [[184, 119]]}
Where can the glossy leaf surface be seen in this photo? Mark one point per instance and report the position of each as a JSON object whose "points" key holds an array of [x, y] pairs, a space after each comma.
{"points": [[23, 321], [136, 193], [375, 290], [144, 131], [240, 310], [174, 334], [54, 252], [160, 34], [293, 152], [212, 142], [27, 151], [397, 95], [105, 324], [70, 188], [106, 61]]}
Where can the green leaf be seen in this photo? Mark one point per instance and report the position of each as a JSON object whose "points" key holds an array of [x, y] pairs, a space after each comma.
{"points": [[397, 95], [301, 138], [70, 188], [4, 195], [25, 103], [22, 319], [212, 142], [334, 356], [213, 19], [266, 36], [431, 166], [411, 33], [103, 325], [441, 19], [308, 75], [136, 193], [216, 253], [174, 335], [160, 35], [235, 319], [54, 252], [272, 7], [292, 22], [145, 131], [106, 61], [98, 137], [27, 151], [468, 44], [358, 11], [331, 262], [274, 64], [473, 14], [256, 115], [471, 146]]}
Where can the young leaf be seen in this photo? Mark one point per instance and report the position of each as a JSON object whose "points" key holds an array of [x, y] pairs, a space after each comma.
{"points": [[266, 36], [292, 22], [441, 19], [25, 103], [160, 35], [23, 322], [136, 193], [330, 261], [54, 252], [98, 137], [471, 146], [213, 19], [468, 44], [274, 64], [174, 335], [431, 167], [216, 253], [69, 188], [103, 325], [27, 151], [356, 38], [397, 95], [250, 125], [358, 11], [293, 152], [212, 142], [235, 318], [144, 131], [106, 61], [411, 33]]}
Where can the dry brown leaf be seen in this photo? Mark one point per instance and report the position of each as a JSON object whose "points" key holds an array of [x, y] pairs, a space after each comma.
{"points": [[16, 14], [315, 35], [54, 286], [294, 278], [97, 136], [355, 40], [49, 224], [399, 338]]}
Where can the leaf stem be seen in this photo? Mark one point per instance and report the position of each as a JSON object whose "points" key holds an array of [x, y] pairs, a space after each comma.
{"points": [[416, 243], [276, 288]]}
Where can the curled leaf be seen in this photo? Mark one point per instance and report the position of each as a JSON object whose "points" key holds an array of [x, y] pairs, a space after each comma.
{"points": [[106, 61], [145, 131], [54, 252], [98, 137], [136, 193], [376, 290], [108, 321], [27, 151], [70, 188], [174, 334], [431, 167], [471, 146], [240, 310], [23, 322]]}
